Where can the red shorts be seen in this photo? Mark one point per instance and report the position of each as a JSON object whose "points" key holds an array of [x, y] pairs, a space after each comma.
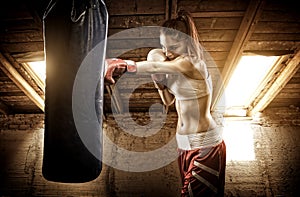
{"points": [[203, 171]]}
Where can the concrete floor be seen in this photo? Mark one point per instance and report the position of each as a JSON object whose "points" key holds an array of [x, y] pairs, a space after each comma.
{"points": [[261, 161]]}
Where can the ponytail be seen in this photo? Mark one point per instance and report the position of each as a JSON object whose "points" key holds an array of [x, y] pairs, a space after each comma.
{"points": [[184, 24]]}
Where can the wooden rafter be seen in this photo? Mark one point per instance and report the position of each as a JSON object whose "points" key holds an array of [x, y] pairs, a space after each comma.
{"points": [[15, 76], [286, 74], [245, 30]]}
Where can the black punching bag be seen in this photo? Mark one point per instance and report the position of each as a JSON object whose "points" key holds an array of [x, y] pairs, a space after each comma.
{"points": [[72, 30]]}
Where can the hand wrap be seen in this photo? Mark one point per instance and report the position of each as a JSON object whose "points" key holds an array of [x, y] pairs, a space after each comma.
{"points": [[116, 67]]}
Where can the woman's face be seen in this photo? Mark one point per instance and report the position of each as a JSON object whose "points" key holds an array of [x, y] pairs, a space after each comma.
{"points": [[172, 47]]}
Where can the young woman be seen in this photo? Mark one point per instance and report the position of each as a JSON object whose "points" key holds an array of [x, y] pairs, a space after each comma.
{"points": [[179, 73]]}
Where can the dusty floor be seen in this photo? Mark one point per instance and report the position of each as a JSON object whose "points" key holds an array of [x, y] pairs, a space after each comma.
{"points": [[261, 161]]}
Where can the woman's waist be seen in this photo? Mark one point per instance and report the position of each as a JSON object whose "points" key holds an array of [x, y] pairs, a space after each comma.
{"points": [[200, 140], [194, 125]]}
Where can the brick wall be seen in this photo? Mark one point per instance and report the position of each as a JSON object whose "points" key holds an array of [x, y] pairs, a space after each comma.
{"points": [[21, 121], [141, 134], [279, 116], [21, 149], [273, 172]]}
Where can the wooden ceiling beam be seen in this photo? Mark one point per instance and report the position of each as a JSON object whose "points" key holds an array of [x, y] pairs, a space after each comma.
{"points": [[287, 72], [217, 14], [15, 76], [29, 56], [246, 28]]}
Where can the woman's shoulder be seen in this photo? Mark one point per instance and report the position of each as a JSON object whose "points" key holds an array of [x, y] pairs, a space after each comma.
{"points": [[156, 55], [191, 68], [183, 61]]}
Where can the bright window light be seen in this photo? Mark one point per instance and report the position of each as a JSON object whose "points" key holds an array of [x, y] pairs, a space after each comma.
{"points": [[39, 68], [239, 140], [247, 76]]}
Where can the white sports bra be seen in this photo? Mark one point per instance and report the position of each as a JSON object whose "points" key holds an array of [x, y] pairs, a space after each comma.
{"points": [[185, 88]]}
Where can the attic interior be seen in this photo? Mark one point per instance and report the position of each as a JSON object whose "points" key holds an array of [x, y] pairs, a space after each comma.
{"points": [[265, 118]]}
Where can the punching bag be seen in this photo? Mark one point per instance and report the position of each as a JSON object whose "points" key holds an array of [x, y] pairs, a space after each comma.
{"points": [[72, 28]]}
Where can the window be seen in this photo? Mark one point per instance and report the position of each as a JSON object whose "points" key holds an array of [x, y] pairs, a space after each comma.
{"points": [[37, 71], [247, 76], [39, 68]]}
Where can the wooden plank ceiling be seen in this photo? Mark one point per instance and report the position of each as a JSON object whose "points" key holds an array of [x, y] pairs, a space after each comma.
{"points": [[228, 29]]}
